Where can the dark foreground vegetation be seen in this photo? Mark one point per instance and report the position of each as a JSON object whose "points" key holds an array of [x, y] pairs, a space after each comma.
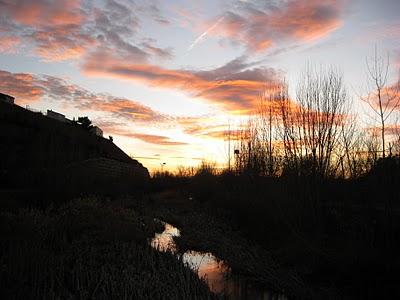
{"points": [[310, 237], [89, 249]]}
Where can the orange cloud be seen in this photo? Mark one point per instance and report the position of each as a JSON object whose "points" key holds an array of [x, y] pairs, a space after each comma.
{"points": [[202, 129], [155, 139], [208, 127], [232, 86], [225, 135]]}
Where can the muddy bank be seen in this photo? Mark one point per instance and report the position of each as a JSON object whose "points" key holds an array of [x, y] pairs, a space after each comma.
{"points": [[209, 231]]}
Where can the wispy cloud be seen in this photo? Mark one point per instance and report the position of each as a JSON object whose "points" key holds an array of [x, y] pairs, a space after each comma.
{"points": [[119, 129], [155, 139]]}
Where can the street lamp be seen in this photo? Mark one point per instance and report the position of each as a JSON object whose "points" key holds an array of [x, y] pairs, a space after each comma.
{"points": [[162, 166], [236, 152]]}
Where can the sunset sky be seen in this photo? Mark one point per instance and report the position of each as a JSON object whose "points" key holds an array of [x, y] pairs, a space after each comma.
{"points": [[165, 78]]}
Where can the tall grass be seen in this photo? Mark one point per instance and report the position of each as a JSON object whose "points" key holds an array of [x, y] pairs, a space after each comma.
{"points": [[89, 250]]}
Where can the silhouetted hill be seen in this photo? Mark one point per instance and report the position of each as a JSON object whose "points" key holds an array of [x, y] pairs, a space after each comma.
{"points": [[37, 150]]}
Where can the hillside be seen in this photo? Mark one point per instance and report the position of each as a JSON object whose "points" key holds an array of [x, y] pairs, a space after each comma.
{"points": [[35, 148]]}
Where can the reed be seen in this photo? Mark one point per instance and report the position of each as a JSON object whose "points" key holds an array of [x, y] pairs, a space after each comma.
{"points": [[89, 250]]}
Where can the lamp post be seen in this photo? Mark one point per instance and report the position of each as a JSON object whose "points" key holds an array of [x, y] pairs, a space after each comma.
{"points": [[236, 152], [162, 166]]}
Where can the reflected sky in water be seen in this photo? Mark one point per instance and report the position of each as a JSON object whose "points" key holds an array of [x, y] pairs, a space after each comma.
{"points": [[165, 241], [214, 271]]}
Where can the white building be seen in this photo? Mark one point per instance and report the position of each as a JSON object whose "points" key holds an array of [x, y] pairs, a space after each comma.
{"points": [[57, 116], [96, 130]]}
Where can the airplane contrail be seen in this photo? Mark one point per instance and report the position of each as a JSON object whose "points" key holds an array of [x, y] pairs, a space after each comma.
{"points": [[205, 33]]}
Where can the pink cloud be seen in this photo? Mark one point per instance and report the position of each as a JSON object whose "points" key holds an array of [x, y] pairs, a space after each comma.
{"points": [[53, 27], [8, 44], [28, 88], [62, 43], [68, 29], [390, 97], [259, 26], [22, 86], [41, 12]]}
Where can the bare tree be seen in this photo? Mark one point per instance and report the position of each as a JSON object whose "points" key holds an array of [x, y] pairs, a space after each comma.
{"points": [[396, 141], [311, 126], [288, 127], [258, 144], [372, 146], [357, 150], [266, 122], [242, 147], [382, 99]]}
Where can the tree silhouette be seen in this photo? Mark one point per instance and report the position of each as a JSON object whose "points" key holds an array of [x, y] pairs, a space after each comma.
{"points": [[382, 99], [310, 128], [85, 122]]}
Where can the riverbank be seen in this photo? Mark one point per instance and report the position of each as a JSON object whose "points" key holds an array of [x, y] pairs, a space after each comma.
{"points": [[210, 231], [300, 266], [90, 249]]}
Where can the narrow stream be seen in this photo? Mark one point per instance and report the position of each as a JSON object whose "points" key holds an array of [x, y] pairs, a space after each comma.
{"points": [[214, 271]]}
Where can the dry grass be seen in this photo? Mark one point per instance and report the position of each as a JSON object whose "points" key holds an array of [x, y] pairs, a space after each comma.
{"points": [[89, 250]]}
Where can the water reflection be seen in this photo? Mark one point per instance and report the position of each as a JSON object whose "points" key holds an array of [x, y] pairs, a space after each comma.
{"points": [[215, 272], [165, 241]]}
